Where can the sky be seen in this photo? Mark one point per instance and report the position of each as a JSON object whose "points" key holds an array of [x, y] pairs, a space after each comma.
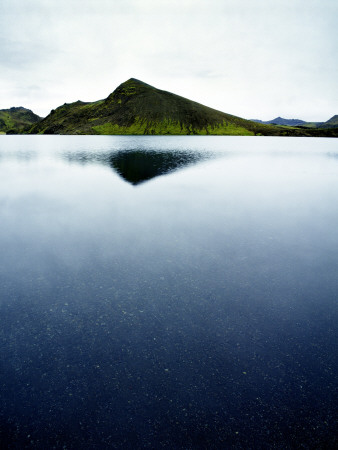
{"points": [[256, 59]]}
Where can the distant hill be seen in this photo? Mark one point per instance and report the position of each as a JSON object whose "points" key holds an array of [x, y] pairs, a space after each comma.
{"points": [[330, 124], [17, 119], [333, 122], [138, 108], [281, 121]]}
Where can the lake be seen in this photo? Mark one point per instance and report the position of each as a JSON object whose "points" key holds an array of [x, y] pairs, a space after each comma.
{"points": [[168, 292]]}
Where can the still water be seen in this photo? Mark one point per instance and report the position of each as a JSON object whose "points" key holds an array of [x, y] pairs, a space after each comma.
{"points": [[168, 292]]}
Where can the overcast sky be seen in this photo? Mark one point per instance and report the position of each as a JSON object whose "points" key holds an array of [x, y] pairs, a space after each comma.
{"points": [[255, 59]]}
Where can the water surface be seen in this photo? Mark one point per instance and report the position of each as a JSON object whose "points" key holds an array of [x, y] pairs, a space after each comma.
{"points": [[168, 292]]}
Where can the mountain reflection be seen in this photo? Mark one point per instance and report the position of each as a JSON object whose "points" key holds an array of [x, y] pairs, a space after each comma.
{"points": [[138, 166]]}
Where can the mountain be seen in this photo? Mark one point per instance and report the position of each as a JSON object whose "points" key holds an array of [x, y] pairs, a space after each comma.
{"points": [[16, 119], [138, 108], [281, 121]]}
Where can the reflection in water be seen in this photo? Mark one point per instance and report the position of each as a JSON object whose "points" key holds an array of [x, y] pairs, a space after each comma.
{"points": [[198, 312], [138, 166]]}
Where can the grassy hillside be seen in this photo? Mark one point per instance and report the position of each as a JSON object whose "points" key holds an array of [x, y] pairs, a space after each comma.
{"points": [[16, 120], [138, 108]]}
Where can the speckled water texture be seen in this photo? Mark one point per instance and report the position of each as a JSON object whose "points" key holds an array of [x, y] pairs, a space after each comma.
{"points": [[168, 292]]}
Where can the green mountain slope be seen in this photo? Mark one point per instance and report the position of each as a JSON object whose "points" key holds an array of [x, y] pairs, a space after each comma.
{"points": [[14, 120], [138, 108]]}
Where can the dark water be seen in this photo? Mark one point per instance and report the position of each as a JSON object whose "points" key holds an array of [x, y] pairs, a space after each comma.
{"points": [[174, 292]]}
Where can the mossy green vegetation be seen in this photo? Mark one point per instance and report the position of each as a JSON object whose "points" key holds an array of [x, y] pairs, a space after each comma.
{"points": [[168, 127], [138, 108]]}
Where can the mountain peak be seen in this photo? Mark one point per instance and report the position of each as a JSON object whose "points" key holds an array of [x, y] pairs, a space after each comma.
{"points": [[134, 82], [129, 88]]}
